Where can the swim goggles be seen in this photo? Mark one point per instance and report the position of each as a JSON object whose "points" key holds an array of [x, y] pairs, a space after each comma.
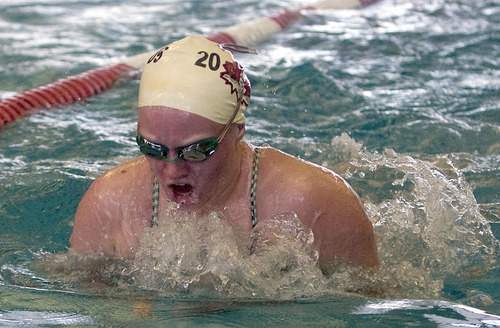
{"points": [[195, 152]]}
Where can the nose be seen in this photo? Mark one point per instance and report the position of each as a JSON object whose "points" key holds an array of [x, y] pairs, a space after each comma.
{"points": [[174, 170], [172, 157]]}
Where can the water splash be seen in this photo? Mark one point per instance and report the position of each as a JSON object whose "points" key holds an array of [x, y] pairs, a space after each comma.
{"points": [[427, 221], [192, 253], [428, 225]]}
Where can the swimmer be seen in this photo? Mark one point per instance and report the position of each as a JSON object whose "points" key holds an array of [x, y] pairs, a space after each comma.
{"points": [[191, 122]]}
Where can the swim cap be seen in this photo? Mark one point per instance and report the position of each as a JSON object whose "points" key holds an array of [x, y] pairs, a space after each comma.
{"points": [[197, 76]]}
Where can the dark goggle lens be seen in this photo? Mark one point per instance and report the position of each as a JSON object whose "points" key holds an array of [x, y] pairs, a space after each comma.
{"points": [[151, 152], [193, 156], [199, 151], [148, 148]]}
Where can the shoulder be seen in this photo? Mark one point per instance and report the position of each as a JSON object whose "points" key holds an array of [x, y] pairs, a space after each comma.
{"points": [[302, 180], [123, 174], [323, 201], [116, 198], [119, 185]]}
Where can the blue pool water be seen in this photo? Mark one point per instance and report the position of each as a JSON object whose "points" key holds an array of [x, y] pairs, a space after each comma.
{"points": [[400, 98]]}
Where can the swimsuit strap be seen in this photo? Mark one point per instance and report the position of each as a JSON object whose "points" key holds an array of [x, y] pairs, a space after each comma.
{"points": [[156, 202], [253, 187]]}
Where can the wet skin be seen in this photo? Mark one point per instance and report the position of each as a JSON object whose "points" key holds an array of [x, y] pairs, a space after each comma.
{"points": [[118, 205]]}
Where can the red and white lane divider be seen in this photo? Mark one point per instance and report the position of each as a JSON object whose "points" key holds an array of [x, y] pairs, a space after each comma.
{"points": [[255, 31], [88, 84], [62, 92]]}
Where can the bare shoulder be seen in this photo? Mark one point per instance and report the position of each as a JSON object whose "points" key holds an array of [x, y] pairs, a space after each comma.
{"points": [[123, 173], [304, 182], [119, 183], [324, 202], [106, 206]]}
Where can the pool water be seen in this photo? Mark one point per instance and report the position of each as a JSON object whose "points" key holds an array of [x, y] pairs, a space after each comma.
{"points": [[400, 98]]}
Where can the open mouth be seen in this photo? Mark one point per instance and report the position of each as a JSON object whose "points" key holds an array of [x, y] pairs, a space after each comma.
{"points": [[181, 189]]}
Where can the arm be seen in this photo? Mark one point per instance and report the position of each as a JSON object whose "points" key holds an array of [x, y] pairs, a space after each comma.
{"points": [[344, 231], [91, 228], [341, 227]]}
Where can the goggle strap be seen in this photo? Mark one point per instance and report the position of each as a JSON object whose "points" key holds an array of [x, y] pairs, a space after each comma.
{"points": [[228, 125]]}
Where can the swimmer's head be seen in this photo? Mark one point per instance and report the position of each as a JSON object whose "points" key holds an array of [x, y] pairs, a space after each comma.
{"points": [[197, 76]]}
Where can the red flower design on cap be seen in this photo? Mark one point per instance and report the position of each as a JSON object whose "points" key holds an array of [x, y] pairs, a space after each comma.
{"points": [[236, 78]]}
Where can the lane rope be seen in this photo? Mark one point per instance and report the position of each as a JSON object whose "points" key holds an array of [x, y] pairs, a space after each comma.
{"points": [[79, 87]]}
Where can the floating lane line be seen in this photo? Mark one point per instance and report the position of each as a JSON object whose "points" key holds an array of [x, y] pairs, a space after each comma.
{"points": [[79, 87]]}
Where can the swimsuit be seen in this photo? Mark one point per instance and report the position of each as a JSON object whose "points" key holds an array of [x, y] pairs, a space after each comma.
{"points": [[253, 192]]}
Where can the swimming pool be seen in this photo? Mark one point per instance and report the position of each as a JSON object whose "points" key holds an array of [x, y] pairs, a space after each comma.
{"points": [[400, 98]]}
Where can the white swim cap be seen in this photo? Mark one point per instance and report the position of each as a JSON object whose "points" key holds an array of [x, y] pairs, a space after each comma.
{"points": [[197, 76]]}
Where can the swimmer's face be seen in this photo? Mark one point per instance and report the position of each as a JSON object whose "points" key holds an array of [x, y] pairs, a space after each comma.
{"points": [[194, 185]]}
